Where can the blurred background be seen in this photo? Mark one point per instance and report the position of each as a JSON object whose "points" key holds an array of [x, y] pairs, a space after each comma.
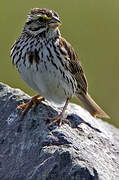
{"points": [[92, 27]]}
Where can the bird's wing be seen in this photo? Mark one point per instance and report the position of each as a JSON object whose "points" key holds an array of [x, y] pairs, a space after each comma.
{"points": [[74, 65]]}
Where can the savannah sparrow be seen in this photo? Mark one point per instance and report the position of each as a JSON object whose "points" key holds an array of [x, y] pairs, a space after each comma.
{"points": [[49, 64]]}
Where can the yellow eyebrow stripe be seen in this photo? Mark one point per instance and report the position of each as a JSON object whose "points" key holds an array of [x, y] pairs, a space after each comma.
{"points": [[44, 16]]}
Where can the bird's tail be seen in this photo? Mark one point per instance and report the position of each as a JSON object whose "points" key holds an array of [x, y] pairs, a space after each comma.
{"points": [[91, 106]]}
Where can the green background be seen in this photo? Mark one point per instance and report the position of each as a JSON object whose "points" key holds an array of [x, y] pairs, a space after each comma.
{"points": [[91, 26]]}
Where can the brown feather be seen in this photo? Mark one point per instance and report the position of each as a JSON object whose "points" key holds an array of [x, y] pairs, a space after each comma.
{"points": [[74, 66], [91, 106], [76, 70]]}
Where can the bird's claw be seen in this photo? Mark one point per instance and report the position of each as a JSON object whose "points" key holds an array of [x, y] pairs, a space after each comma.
{"points": [[58, 119], [31, 104]]}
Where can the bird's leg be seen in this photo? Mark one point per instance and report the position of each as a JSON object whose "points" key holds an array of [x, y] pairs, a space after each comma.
{"points": [[31, 104], [59, 119]]}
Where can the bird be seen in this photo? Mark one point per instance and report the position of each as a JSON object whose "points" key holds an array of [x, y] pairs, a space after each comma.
{"points": [[50, 66]]}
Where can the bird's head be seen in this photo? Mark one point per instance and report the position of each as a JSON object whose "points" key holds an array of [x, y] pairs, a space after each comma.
{"points": [[42, 21]]}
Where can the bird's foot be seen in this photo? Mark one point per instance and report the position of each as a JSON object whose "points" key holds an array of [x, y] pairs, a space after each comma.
{"points": [[58, 119], [31, 104]]}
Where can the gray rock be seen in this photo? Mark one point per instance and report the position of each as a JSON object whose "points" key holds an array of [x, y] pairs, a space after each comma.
{"points": [[89, 150]]}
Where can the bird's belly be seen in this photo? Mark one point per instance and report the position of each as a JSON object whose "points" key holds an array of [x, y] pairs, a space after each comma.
{"points": [[48, 81], [51, 88], [52, 85]]}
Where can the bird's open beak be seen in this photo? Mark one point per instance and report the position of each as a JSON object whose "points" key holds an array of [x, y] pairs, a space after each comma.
{"points": [[54, 22]]}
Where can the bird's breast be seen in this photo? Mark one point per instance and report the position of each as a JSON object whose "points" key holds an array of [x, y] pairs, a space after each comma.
{"points": [[43, 68]]}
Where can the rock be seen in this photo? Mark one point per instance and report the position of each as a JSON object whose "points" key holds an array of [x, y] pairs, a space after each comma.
{"points": [[89, 150]]}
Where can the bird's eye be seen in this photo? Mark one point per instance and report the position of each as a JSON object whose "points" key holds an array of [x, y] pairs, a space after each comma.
{"points": [[41, 19]]}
